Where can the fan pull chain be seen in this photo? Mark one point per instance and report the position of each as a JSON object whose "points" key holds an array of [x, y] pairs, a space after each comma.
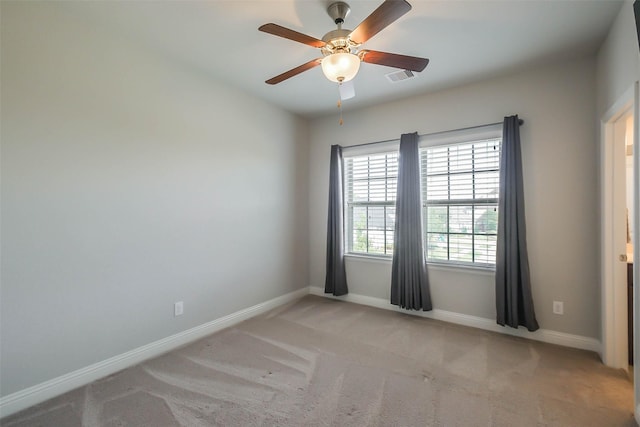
{"points": [[340, 104]]}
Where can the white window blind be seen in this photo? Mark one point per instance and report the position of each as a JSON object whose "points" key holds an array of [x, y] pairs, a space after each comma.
{"points": [[370, 193], [460, 201]]}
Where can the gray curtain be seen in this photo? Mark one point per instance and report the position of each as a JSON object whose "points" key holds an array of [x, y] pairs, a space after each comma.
{"points": [[409, 281], [514, 304], [336, 278]]}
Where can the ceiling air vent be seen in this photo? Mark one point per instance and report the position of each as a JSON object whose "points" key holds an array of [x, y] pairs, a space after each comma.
{"points": [[398, 76]]}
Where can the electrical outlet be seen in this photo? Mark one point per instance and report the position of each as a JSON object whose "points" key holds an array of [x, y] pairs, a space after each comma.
{"points": [[558, 307], [178, 308]]}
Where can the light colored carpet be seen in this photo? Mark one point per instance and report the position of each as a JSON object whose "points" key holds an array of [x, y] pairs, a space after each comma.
{"points": [[320, 362]]}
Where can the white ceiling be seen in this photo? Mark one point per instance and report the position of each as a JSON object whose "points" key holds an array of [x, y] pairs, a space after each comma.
{"points": [[464, 40]]}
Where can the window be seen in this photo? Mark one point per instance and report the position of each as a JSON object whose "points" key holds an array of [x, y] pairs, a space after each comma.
{"points": [[460, 199], [370, 193], [460, 178]]}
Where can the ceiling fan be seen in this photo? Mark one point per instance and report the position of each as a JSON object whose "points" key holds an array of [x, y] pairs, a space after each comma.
{"points": [[341, 47]]}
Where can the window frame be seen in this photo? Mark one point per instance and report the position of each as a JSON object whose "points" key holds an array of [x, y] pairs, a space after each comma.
{"points": [[461, 136], [349, 205], [451, 138], [473, 203]]}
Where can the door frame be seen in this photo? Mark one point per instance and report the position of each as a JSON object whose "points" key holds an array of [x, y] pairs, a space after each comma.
{"points": [[636, 247], [613, 298]]}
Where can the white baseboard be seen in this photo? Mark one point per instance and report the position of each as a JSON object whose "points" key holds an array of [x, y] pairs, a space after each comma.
{"points": [[39, 393], [544, 335], [23, 399]]}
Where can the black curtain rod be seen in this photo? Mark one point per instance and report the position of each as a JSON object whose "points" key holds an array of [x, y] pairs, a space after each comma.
{"points": [[520, 122]]}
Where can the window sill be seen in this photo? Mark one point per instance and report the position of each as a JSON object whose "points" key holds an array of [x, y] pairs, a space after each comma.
{"points": [[370, 258], [490, 271], [472, 269]]}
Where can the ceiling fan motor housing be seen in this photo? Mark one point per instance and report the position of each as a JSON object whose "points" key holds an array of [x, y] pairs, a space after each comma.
{"points": [[337, 41]]}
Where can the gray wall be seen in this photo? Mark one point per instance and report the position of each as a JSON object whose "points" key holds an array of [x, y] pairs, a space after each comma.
{"points": [[560, 175], [618, 60], [130, 182]]}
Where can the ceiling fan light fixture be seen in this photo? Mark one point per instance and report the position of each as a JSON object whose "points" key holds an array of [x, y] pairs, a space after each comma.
{"points": [[341, 66]]}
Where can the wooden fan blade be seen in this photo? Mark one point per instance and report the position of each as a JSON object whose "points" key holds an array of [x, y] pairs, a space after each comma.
{"points": [[286, 33], [404, 62], [294, 71], [380, 18]]}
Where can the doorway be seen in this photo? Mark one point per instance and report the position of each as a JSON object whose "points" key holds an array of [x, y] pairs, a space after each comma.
{"points": [[627, 121], [618, 180]]}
